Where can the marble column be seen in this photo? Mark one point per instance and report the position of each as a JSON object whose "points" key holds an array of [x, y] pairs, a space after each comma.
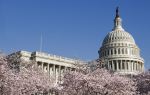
{"points": [[135, 66], [54, 71], [42, 65], [124, 63], [142, 67], [65, 69], [59, 74], [48, 68], [120, 64], [128, 66], [113, 68], [117, 65], [108, 67], [131, 65]]}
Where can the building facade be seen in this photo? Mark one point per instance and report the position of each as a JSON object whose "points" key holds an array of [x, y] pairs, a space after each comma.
{"points": [[119, 50], [53, 64]]}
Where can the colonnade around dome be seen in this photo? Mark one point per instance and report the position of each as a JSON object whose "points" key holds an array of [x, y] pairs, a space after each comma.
{"points": [[125, 66]]}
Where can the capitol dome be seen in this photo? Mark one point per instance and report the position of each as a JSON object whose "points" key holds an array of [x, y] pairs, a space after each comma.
{"points": [[119, 50], [117, 36]]}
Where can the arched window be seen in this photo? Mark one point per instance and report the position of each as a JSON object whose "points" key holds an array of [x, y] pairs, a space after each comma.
{"points": [[126, 51], [122, 50], [119, 51], [111, 51], [115, 51], [107, 52]]}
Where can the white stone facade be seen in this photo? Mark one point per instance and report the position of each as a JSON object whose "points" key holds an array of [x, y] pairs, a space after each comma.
{"points": [[53, 64], [120, 52]]}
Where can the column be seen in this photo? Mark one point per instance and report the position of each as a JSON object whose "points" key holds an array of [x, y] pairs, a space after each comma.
{"points": [[131, 65], [138, 66], [54, 71], [134, 65], [125, 65], [69, 69], [108, 67], [59, 70], [128, 66], [48, 68], [120, 64], [117, 65], [42, 65], [59, 73], [113, 65], [65, 69], [142, 67]]}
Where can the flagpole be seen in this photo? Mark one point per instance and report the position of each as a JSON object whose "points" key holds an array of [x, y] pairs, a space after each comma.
{"points": [[41, 42]]}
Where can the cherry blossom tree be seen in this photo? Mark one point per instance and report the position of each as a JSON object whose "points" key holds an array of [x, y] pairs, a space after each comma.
{"points": [[143, 83], [97, 82], [26, 79], [105, 83]]}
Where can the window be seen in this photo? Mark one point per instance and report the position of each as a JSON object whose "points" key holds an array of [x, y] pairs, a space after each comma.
{"points": [[119, 51], [126, 51], [123, 51], [111, 52], [108, 52], [115, 51]]}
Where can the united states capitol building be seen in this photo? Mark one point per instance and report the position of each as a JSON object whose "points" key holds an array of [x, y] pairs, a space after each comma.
{"points": [[118, 52]]}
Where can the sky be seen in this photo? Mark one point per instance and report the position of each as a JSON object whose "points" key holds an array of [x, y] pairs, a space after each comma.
{"points": [[71, 28]]}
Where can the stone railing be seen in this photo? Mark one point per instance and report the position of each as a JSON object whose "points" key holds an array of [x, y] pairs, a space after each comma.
{"points": [[56, 57]]}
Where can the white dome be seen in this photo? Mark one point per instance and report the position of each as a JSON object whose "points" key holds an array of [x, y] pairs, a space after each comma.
{"points": [[118, 36]]}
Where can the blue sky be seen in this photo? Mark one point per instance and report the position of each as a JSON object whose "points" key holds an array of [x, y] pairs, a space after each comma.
{"points": [[71, 28]]}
